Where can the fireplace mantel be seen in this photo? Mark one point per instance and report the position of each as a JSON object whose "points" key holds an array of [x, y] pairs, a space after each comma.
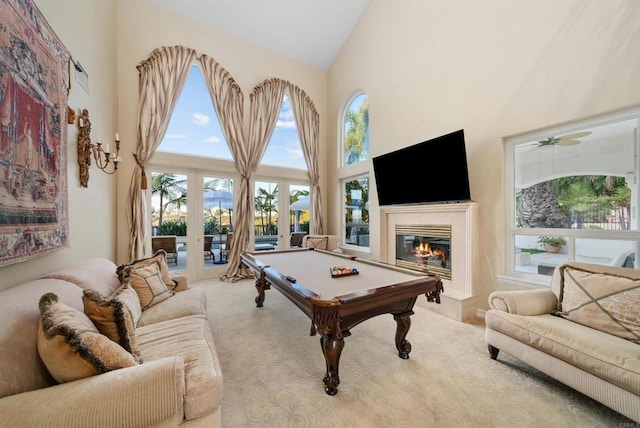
{"points": [[459, 300]]}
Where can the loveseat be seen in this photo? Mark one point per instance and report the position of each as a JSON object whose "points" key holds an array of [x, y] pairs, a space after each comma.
{"points": [[174, 378], [584, 331]]}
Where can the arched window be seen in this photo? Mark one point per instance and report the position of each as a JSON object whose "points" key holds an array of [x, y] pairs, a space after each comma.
{"points": [[284, 148], [355, 137], [194, 128], [354, 177]]}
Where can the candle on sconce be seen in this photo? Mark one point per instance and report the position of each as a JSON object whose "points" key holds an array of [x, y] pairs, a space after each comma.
{"points": [[106, 149], [117, 137]]}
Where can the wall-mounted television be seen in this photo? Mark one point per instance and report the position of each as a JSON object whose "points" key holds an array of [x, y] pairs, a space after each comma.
{"points": [[434, 171]]}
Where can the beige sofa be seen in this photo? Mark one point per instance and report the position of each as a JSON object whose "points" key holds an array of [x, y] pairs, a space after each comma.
{"points": [[179, 382], [584, 331]]}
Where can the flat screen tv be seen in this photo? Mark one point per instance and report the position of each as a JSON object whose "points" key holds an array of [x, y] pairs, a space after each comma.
{"points": [[434, 171]]}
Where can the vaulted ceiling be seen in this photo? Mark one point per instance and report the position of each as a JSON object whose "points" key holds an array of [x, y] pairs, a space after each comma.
{"points": [[311, 31]]}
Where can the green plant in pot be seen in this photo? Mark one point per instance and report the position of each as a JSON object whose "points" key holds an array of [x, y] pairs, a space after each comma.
{"points": [[552, 244]]}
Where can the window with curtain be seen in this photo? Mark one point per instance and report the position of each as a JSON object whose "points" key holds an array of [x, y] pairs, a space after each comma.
{"points": [[284, 148], [573, 195], [194, 128]]}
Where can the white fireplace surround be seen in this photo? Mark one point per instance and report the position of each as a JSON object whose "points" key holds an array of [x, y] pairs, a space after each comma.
{"points": [[459, 300]]}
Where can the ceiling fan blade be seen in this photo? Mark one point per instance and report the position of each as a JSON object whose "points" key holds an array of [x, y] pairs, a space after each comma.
{"points": [[568, 142], [575, 135]]}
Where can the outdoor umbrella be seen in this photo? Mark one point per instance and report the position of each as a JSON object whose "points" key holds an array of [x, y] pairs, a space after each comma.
{"points": [[301, 204]]}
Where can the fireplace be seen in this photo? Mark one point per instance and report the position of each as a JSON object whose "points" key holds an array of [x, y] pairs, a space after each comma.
{"points": [[435, 224], [425, 248]]}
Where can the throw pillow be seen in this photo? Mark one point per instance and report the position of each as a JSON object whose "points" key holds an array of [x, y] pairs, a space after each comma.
{"points": [[147, 281], [601, 301], [159, 257], [319, 243], [129, 297], [113, 319], [71, 347]]}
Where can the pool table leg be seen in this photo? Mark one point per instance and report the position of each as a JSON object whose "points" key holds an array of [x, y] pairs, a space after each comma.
{"points": [[403, 324], [261, 285], [331, 348]]}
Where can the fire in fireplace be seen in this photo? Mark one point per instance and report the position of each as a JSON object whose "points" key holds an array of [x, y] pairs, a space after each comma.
{"points": [[425, 248]]}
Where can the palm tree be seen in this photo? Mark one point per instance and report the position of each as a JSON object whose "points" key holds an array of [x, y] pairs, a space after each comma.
{"points": [[537, 206], [167, 186], [357, 125], [265, 203]]}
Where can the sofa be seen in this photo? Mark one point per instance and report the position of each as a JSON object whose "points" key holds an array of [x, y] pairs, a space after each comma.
{"points": [[583, 331], [172, 379]]}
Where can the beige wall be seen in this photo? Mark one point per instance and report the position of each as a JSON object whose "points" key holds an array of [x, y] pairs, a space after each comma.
{"points": [[87, 29], [494, 68], [143, 26]]}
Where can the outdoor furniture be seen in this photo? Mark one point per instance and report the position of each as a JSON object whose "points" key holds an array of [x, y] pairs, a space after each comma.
{"points": [[296, 239], [224, 252], [208, 251], [168, 243]]}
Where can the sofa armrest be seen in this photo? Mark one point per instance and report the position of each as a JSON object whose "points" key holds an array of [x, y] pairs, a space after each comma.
{"points": [[524, 302], [149, 394], [182, 282]]}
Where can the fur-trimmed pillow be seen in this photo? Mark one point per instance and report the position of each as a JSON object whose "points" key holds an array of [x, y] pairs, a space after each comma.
{"points": [[147, 281], [159, 257], [72, 347], [129, 297], [113, 319], [605, 302]]}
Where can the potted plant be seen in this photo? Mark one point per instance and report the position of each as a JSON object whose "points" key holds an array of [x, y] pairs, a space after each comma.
{"points": [[552, 244]]}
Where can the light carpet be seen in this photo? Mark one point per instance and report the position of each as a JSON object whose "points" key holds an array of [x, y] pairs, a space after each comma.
{"points": [[273, 371]]}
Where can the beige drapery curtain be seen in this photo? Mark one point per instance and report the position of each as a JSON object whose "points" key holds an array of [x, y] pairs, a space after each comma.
{"points": [[266, 99], [228, 101], [308, 124], [161, 78]]}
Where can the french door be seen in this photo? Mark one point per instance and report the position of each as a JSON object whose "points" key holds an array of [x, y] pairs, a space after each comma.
{"points": [[195, 207], [281, 213]]}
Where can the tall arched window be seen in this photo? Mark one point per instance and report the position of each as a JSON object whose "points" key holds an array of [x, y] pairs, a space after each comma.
{"points": [[355, 167], [356, 130]]}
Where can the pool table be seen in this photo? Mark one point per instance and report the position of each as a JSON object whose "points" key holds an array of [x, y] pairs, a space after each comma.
{"points": [[336, 304]]}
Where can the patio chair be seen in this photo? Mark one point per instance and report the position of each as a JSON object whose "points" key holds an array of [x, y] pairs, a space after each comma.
{"points": [[296, 239], [224, 253], [168, 243], [208, 251]]}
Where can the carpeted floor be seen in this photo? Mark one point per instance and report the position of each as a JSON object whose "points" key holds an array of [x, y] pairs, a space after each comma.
{"points": [[273, 373]]}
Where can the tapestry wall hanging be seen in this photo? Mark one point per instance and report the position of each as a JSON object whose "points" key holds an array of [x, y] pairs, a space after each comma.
{"points": [[34, 78]]}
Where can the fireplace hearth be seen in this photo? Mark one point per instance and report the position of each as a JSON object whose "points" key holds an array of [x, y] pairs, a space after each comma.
{"points": [[425, 248]]}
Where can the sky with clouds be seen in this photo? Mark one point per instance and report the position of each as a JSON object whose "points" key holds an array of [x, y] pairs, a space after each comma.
{"points": [[194, 129]]}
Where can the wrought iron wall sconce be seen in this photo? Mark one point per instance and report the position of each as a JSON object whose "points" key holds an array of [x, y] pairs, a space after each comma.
{"points": [[104, 158]]}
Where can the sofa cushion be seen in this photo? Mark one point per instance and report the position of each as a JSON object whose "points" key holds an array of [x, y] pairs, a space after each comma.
{"points": [[603, 301], [72, 347], [113, 319], [609, 357], [192, 301], [190, 338], [96, 273], [159, 257], [147, 281], [22, 369]]}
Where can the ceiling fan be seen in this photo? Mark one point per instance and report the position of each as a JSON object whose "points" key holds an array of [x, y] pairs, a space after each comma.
{"points": [[565, 140]]}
